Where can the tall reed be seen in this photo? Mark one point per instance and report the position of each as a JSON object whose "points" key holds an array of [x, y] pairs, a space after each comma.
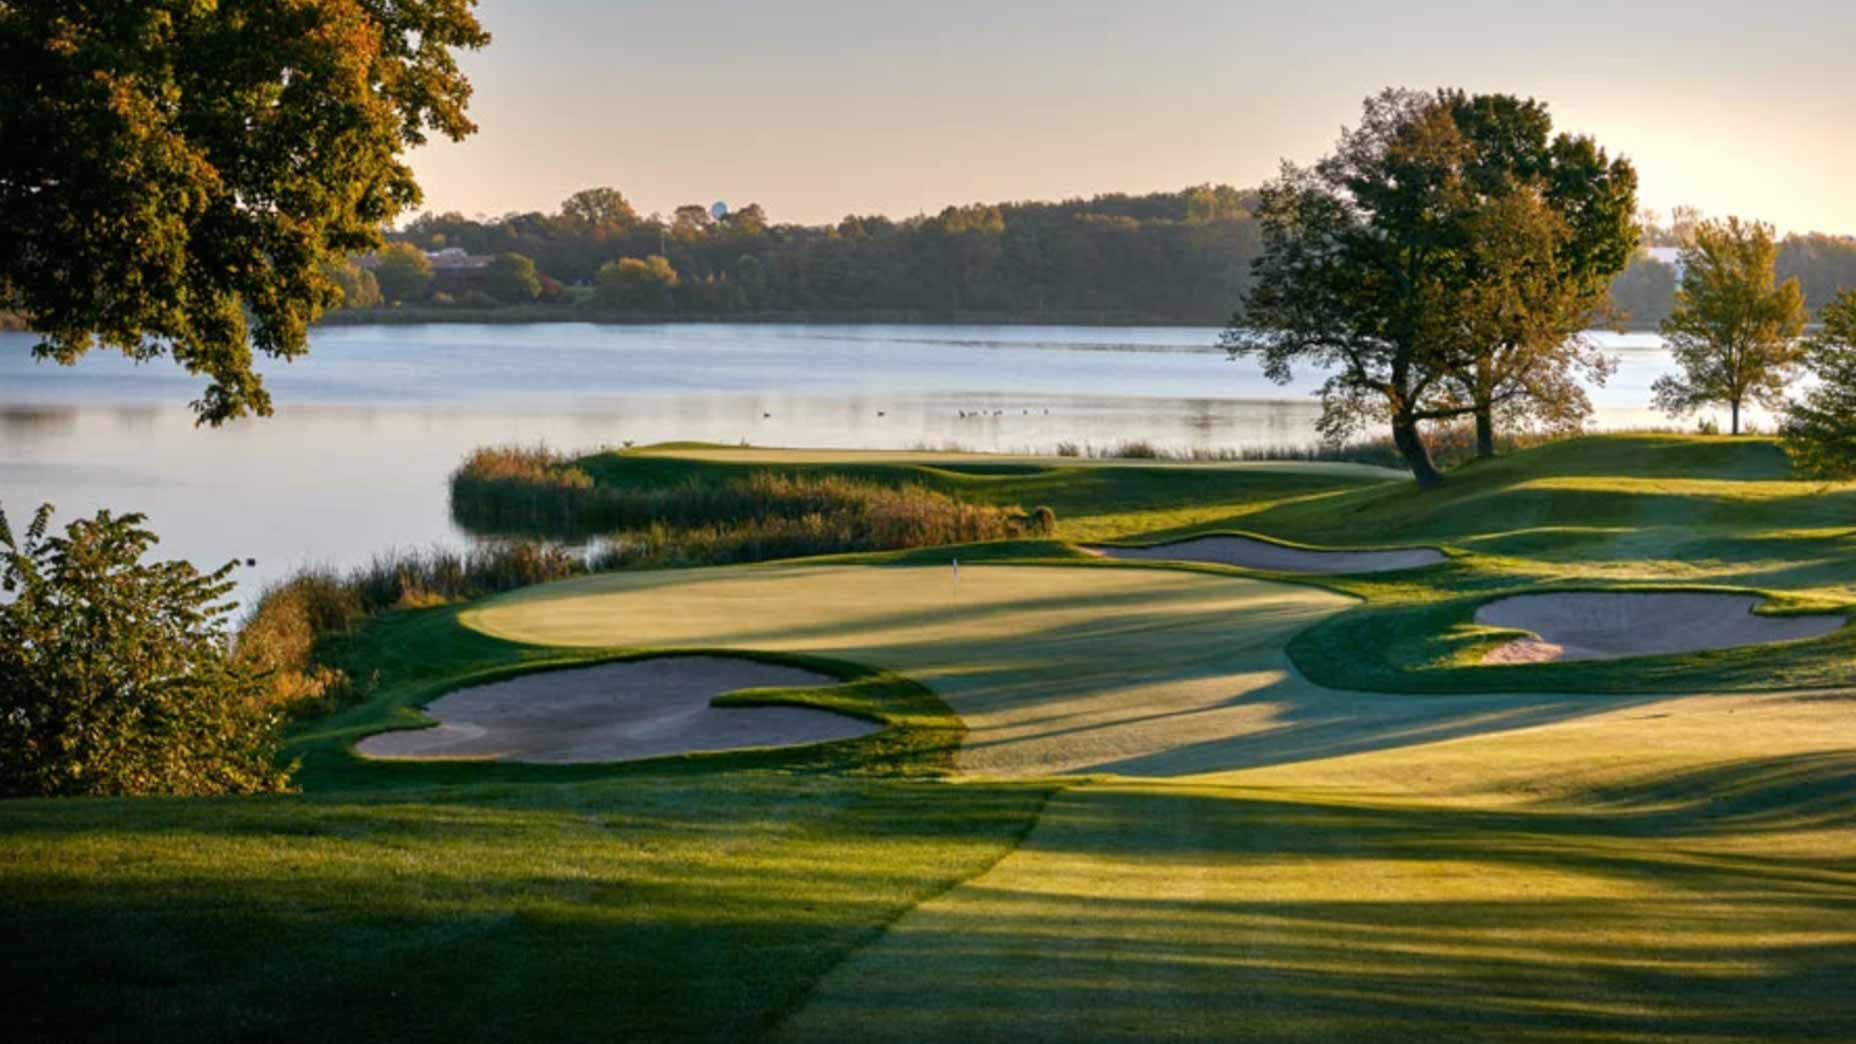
{"points": [[287, 627]]}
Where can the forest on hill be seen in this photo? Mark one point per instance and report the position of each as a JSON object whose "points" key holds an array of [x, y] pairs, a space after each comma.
{"points": [[1164, 257]]}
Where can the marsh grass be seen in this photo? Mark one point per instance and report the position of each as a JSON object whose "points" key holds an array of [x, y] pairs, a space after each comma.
{"points": [[706, 521], [546, 495], [292, 620]]}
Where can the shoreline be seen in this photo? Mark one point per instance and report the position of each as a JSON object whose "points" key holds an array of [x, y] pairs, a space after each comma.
{"points": [[522, 315]]}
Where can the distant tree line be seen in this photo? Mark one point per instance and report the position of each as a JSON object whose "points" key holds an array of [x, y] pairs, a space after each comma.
{"points": [[1180, 256], [1168, 256], [1645, 294]]}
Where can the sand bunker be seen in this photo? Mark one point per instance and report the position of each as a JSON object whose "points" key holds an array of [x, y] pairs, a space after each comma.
{"points": [[618, 712], [1582, 625], [1261, 554]]}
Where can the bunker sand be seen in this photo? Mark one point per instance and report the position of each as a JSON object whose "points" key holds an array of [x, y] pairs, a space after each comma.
{"points": [[1591, 625], [618, 712], [1279, 558]]}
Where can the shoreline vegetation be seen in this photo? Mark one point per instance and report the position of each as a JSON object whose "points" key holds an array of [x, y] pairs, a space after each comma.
{"points": [[531, 314], [544, 519], [537, 492]]}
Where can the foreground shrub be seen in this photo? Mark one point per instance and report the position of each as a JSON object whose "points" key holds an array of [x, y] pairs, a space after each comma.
{"points": [[116, 675]]}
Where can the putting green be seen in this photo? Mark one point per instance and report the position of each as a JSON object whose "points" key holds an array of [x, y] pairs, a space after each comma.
{"points": [[1054, 670]]}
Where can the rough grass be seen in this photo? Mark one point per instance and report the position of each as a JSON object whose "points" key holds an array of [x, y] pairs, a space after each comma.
{"points": [[684, 898]]}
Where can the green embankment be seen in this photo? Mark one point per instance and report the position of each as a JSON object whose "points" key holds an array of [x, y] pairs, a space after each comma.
{"points": [[1587, 862]]}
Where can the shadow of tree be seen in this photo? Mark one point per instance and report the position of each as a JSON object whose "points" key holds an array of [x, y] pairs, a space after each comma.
{"points": [[1184, 913]]}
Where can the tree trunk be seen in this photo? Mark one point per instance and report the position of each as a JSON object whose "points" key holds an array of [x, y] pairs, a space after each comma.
{"points": [[1417, 455], [1485, 408], [1735, 407]]}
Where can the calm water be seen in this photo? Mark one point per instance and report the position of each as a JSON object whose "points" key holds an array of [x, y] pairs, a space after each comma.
{"points": [[369, 425]]}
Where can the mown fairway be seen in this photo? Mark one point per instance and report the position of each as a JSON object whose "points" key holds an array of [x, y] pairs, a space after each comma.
{"points": [[1157, 827]]}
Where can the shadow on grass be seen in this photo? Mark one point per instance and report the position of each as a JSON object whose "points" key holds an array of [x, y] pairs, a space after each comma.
{"points": [[1171, 913], [668, 909]]}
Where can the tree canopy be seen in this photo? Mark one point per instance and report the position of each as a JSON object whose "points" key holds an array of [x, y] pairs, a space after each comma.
{"points": [[403, 272], [1550, 225], [1734, 331], [636, 283], [176, 173], [511, 279]]}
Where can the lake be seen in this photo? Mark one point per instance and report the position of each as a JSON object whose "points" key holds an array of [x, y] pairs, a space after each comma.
{"points": [[369, 425]]}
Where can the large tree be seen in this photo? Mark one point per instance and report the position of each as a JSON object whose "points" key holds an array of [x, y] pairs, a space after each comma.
{"points": [[1363, 274], [175, 173], [1734, 331], [601, 211], [1820, 430], [1440, 263]]}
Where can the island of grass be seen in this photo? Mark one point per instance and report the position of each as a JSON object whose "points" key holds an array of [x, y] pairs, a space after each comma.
{"points": [[1109, 800]]}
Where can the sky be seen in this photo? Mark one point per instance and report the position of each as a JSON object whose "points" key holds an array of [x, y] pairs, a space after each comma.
{"points": [[818, 109]]}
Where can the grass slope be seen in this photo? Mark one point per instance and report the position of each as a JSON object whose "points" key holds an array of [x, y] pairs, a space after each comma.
{"points": [[1297, 862], [1656, 870]]}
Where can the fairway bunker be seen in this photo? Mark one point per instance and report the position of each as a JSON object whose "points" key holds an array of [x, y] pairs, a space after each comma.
{"points": [[618, 712], [1589, 625], [1279, 558]]}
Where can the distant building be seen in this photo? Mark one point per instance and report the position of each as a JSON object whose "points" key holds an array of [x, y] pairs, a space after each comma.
{"points": [[454, 259], [454, 270]]}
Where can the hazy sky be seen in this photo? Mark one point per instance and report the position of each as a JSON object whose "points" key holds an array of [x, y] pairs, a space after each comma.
{"points": [[816, 109]]}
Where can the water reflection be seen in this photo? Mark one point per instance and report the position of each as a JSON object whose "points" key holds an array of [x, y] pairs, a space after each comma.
{"points": [[372, 421]]}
